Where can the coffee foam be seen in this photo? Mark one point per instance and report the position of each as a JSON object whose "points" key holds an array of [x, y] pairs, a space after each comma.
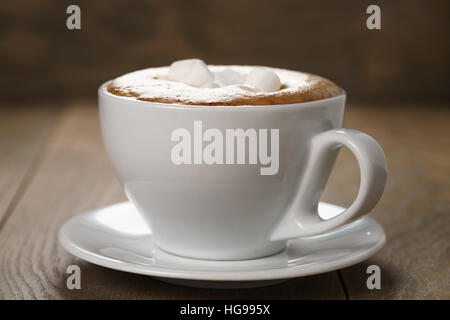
{"points": [[153, 85]]}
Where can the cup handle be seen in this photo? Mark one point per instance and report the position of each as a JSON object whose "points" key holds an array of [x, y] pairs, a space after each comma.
{"points": [[302, 218]]}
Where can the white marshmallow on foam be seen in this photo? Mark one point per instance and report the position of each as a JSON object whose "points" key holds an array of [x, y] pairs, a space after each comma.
{"points": [[193, 72], [211, 85], [228, 77], [263, 79]]}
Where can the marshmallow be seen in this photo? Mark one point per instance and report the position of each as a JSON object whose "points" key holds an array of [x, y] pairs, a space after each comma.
{"points": [[211, 85], [228, 77], [193, 72], [263, 79]]}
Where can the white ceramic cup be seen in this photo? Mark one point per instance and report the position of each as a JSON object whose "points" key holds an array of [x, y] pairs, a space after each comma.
{"points": [[232, 211]]}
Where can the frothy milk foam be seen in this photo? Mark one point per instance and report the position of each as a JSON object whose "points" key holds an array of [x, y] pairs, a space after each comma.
{"points": [[192, 82]]}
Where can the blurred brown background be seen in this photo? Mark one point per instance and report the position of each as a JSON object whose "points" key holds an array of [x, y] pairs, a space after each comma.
{"points": [[40, 59], [53, 165]]}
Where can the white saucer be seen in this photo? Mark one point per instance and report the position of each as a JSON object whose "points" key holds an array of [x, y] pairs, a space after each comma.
{"points": [[116, 237]]}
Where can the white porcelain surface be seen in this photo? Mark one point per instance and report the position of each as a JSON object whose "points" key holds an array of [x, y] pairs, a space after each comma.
{"points": [[116, 237], [231, 212]]}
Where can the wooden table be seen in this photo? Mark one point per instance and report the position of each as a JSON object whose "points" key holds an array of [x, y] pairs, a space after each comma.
{"points": [[53, 166]]}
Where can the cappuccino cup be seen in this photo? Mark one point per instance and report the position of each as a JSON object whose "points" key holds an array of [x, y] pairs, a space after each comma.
{"points": [[234, 182]]}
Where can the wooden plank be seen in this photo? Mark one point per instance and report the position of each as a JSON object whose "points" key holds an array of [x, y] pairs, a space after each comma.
{"points": [[23, 130], [75, 175], [415, 208]]}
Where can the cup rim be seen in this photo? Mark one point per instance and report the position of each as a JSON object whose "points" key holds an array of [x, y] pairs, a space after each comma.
{"points": [[102, 91]]}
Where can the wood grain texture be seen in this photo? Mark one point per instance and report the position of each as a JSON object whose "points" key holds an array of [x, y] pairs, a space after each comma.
{"points": [[22, 133], [415, 207], [74, 175]]}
